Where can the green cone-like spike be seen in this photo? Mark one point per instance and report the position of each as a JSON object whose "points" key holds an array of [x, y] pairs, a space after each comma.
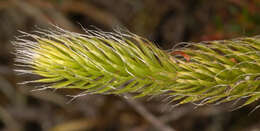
{"points": [[114, 63]]}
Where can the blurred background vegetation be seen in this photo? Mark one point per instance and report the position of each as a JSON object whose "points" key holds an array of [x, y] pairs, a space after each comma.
{"points": [[165, 22]]}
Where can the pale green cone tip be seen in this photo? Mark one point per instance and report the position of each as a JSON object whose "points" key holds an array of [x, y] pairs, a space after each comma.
{"points": [[116, 63]]}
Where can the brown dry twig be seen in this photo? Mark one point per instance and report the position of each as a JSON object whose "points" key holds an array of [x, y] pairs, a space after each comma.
{"points": [[147, 115]]}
